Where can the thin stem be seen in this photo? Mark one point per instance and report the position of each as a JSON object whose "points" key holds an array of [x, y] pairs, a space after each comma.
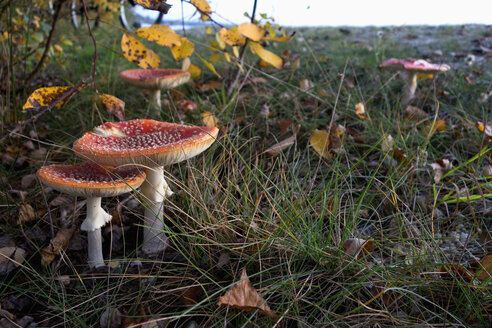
{"points": [[95, 45]]}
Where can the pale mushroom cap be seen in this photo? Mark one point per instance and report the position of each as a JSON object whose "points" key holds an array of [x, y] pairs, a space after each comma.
{"points": [[146, 142], [414, 65], [155, 78], [91, 180]]}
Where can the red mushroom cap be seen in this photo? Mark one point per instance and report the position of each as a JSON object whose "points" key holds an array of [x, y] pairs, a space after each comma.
{"points": [[156, 78], [145, 142], [91, 180], [414, 65]]}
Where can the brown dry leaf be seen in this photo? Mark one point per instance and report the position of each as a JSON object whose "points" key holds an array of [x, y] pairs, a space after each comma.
{"points": [[280, 146], [486, 129], [323, 142], [358, 247], [244, 296], [49, 96], [163, 35], [110, 318], [360, 111], [438, 125], [485, 270], [202, 6], [284, 125], [114, 106], [265, 55], [450, 270], [487, 170], [159, 5], [192, 295], [251, 31], [439, 168], [26, 213], [28, 180], [56, 246], [209, 119], [232, 37], [10, 258], [136, 52], [415, 113]]}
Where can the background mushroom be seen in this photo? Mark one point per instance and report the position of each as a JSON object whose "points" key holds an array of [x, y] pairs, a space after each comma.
{"points": [[92, 181], [153, 145], [411, 68], [156, 79]]}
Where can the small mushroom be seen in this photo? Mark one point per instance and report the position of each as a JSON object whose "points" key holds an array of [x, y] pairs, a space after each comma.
{"points": [[411, 68], [153, 145], [92, 181], [155, 79]]}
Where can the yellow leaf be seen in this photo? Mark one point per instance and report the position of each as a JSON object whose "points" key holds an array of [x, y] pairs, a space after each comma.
{"points": [[360, 111], [114, 106], [161, 34], [184, 50], [251, 31], [209, 66], [136, 52], [202, 6], [282, 38], [266, 55], [208, 30], [244, 296], [235, 51], [44, 97], [195, 71], [220, 42], [231, 37], [209, 119], [322, 142]]}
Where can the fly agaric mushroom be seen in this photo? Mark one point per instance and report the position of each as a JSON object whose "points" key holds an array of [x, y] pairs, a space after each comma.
{"points": [[151, 144], [412, 67], [92, 181], [155, 79]]}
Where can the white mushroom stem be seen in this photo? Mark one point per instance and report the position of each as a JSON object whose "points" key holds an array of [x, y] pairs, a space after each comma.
{"points": [[96, 218], [154, 191], [155, 103], [409, 89]]}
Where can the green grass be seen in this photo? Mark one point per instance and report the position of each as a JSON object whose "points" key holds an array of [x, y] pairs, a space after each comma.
{"points": [[284, 217]]}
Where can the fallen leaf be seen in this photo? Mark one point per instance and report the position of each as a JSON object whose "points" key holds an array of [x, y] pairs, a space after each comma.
{"points": [[360, 111], [202, 6], [438, 125], [231, 37], [209, 119], [163, 35], [450, 270], [192, 295], [251, 31], [439, 168], [26, 213], [357, 247], [56, 246], [323, 143], [280, 146], [284, 125], [210, 85], [244, 296], [110, 318], [486, 129], [487, 170], [136, 52], [28, 180], [485, 270], [267, 56], [114, 106], [387, 143], [159, 5], [415, 113], [10, 258], [306, 85]]}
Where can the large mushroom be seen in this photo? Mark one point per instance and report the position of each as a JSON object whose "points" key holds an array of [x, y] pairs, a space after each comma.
{"points": [[92, 181], [153, 145], [411, 68], [155, 79]]}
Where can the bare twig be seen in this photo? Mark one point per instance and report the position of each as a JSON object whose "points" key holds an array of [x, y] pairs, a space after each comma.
{"points": [[56, 15], [95, 45]]}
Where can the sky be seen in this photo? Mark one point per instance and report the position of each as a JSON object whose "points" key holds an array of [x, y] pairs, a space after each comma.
{"points": [[348, 12]]}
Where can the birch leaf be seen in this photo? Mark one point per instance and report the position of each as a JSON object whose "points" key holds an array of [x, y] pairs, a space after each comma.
{"points": [[232, 37], [184, 50], [202, 6], [251, 31], [114, 106], [136, 52], [266, 56], [161, 34]]}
